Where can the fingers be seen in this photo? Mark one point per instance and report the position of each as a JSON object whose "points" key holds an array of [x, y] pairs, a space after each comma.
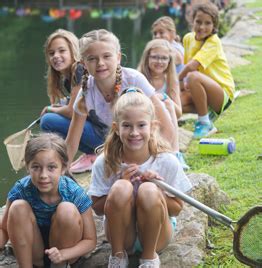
{"points": [[54, 254], [150, 174], [129, 172]]}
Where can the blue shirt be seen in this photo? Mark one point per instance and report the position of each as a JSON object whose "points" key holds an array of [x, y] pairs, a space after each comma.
{"points": [[68, 189]]}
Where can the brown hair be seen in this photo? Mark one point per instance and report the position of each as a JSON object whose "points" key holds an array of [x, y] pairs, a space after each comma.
{"points": [[210, 9], [45, 142]]}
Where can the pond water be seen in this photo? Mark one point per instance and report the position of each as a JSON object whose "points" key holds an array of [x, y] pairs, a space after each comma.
{"points": [[22, 71]]}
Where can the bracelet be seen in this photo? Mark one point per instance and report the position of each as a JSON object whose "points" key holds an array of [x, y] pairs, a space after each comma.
{"points": [[164, 96], [49, 109]]}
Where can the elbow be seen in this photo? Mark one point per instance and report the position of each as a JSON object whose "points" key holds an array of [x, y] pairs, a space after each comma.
{"points": [[93, 244], [179, 112]]}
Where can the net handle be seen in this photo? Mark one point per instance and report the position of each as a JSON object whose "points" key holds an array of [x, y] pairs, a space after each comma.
{"points": [[34, 122], [211, 212]]}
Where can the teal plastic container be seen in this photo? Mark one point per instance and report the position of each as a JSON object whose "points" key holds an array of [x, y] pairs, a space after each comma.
{"points": [[217, 146]]}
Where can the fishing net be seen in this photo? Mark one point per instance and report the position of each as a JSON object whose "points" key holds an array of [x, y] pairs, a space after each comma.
{"points": [[248, 238], [15, 146]]}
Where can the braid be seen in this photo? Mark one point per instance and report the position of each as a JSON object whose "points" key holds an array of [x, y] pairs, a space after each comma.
{"points": [[85, 81], [81, 103], [118, 80]]}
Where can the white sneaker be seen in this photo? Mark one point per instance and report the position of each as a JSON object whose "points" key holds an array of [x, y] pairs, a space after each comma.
{"points": [[116, 262], [147, 263]]}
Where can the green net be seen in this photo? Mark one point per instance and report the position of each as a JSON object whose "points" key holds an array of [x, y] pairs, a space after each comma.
{"points": [[250, 239]]}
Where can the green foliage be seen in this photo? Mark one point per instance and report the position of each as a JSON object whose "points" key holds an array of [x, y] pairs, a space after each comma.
{"points": [[238, 174]]}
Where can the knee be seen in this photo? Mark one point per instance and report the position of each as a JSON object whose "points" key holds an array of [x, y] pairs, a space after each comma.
{"points": [[120, 194], [45, 121], [20, 210], [148, 196], [66, 213], [192, 78]]}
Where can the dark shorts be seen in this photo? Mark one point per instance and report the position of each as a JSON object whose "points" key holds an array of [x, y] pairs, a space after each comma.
{"points": [[45, 230]]}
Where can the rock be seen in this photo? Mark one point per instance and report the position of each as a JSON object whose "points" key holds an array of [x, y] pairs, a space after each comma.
{"points": [[185, 137], [243, 92], [207, 191]]}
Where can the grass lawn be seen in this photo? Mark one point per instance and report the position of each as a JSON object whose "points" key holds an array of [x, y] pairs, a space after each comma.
{"points": [[239, 174]]}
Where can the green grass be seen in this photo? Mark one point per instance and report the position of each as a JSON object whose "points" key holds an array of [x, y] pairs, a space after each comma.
{"points": [[238, 174]]}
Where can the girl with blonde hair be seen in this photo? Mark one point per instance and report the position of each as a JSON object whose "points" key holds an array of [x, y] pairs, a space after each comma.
{"points": [[64, 76], [165, 28], [106, 79], [138, 215], [158, 65]]}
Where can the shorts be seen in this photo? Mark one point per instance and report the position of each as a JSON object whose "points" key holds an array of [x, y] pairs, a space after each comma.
{"points": [[45, 230], [137, 245], [226, 103]]}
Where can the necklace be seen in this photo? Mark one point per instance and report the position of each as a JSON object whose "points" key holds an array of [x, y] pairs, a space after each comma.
{"points": [[109, 96]]}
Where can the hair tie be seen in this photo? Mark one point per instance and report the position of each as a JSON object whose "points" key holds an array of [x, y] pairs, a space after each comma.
{"points": [[132, 89]]}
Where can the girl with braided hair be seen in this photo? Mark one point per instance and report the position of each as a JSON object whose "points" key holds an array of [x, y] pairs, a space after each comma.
{"points": [[101, 54]]}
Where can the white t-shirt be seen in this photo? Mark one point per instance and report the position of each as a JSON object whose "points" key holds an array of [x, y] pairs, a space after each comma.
{"points": [[95, 101], [165, 164]]}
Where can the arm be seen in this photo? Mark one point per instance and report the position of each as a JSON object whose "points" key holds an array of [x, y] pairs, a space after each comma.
{"points": [[191, 66], [167, 128], [65, 110], [174, 205], [3, 226], [175, 100], [74, 134]]}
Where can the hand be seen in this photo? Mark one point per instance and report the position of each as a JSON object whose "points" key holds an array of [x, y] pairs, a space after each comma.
{"points": [[131, 173], [45, 110], [55, 255], [149, 175]]}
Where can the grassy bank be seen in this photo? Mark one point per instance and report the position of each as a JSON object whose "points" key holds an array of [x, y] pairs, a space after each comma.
{"points": [[239, 174]]}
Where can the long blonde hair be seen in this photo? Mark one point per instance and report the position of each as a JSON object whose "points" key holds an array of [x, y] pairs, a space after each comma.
{"points": [[85, 41], [113, 147], [167, 23], [54, 77], [171, 74]]}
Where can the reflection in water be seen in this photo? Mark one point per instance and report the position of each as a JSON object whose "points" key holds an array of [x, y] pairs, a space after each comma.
{"points": [[22, 85]]}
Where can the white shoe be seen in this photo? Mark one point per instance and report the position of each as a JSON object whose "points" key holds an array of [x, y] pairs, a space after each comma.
{"points": [[117, 262], [147, 263]]}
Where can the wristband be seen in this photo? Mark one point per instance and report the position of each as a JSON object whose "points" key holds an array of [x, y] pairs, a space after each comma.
{"points": [[164, 96], [49, 109]]}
